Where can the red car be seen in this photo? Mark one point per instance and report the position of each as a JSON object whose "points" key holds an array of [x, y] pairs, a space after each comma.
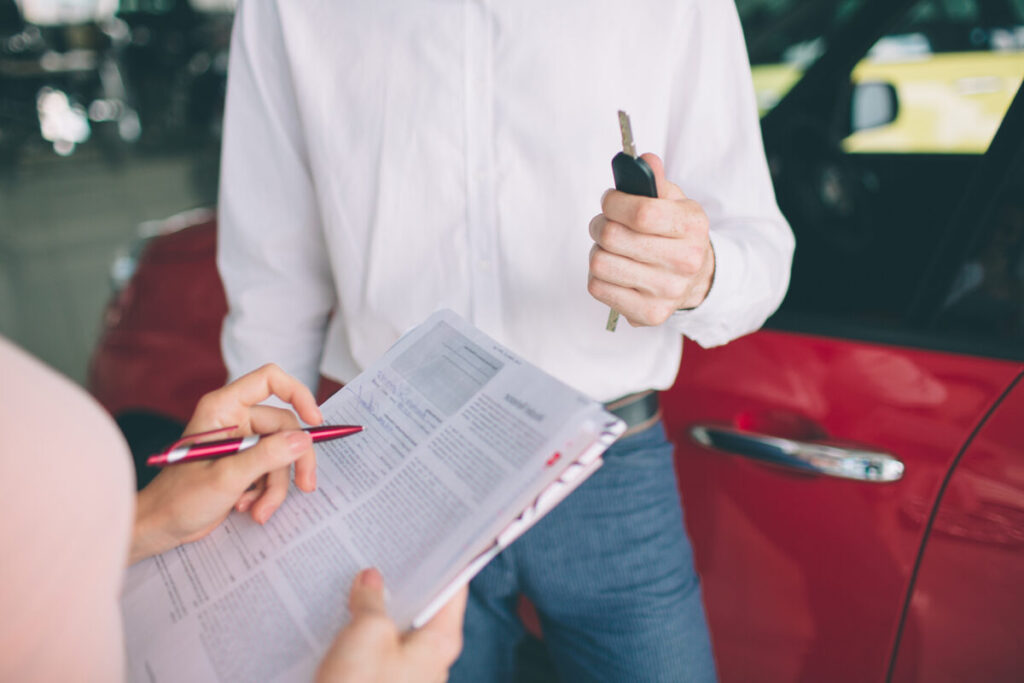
{"points": [[852, 475]]}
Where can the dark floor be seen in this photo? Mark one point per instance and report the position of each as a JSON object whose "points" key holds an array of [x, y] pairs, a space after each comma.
{"points": [[62, 221]]}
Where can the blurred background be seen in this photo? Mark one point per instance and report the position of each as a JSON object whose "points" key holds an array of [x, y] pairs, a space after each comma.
{"points": [[110, 121], [110, 117]]}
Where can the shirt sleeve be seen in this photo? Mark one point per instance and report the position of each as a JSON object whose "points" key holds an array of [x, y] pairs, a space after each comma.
{"points": [[270, 253], [715, 154]]}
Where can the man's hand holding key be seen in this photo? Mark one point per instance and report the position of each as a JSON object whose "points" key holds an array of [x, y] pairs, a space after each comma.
{"points": [[651, 256]]}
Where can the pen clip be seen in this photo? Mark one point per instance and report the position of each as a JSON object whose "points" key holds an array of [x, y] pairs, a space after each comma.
{"points": [[192, 437]]}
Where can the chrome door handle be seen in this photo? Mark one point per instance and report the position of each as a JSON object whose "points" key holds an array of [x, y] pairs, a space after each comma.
{"points": [[832, 461]]}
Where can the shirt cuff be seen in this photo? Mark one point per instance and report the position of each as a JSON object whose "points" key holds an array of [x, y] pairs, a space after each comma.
{"points": [[707, 324]]}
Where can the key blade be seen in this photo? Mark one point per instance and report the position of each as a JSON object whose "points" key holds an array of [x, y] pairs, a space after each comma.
{"points": [[627, 134], [613, 320]]}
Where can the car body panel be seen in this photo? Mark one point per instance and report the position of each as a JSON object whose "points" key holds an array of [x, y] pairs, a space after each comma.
{"points": [[964, 617], [159, 350], [805, 575]]}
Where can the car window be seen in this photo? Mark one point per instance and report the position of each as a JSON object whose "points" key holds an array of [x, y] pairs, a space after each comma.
{"points": [[985, 300], [785, 37], [938, 81], [953, 67], [866, 173]]}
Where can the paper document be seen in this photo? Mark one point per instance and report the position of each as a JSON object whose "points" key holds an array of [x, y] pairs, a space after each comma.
{"points": [[465, 446]]}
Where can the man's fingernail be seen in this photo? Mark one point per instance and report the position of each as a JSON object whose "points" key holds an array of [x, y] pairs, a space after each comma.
{"points": [[299, 441]]}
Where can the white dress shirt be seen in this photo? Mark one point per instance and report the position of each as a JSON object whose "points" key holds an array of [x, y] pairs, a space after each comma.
{"points": [[386, 158]]}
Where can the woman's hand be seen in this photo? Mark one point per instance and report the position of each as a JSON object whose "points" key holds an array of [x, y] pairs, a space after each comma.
{"points": [[371, 650], [187, 501]]}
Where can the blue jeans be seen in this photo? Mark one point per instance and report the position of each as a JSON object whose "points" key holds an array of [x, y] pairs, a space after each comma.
{"points": [[611, 574]]}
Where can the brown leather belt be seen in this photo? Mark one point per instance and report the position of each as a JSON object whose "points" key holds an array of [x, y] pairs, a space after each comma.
{"points": [[639, 411]]}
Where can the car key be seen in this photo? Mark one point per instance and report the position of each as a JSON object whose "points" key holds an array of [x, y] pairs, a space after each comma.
{"points": [[632, 176]]}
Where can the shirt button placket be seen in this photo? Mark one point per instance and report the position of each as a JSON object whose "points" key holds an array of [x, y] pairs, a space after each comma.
{"points": [[481, 195]]}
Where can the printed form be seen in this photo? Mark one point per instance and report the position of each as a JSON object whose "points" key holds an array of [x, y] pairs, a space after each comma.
{"points": [[465, 446]]}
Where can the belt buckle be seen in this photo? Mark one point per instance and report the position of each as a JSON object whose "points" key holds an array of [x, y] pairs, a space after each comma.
{"points": [[639, 411]]}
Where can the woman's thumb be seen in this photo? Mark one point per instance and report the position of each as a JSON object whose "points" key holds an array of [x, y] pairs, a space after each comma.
{"points": [[367, 594]]}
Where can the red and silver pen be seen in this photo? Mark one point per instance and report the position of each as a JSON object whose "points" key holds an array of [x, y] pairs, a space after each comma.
{"points": [[184, 452]]}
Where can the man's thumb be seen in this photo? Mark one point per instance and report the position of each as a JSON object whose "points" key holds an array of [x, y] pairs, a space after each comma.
{"points": [[666, 189], [273, 452], [367, 594]]}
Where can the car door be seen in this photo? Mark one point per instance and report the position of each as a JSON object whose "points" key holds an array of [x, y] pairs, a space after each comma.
{"points": [[812, 454], [804, 575], [965, 614]]}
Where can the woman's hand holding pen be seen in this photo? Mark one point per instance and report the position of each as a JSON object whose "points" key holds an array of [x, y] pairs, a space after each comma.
{"points": [[187, 501]]}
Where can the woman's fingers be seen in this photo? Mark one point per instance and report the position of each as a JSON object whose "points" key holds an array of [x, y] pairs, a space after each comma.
{"points": [[267, 420], [251, 494], [270, 420], [266, 467], [305, 471], [261, 474], [231, 405], [270, 380], [277, 479]]}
